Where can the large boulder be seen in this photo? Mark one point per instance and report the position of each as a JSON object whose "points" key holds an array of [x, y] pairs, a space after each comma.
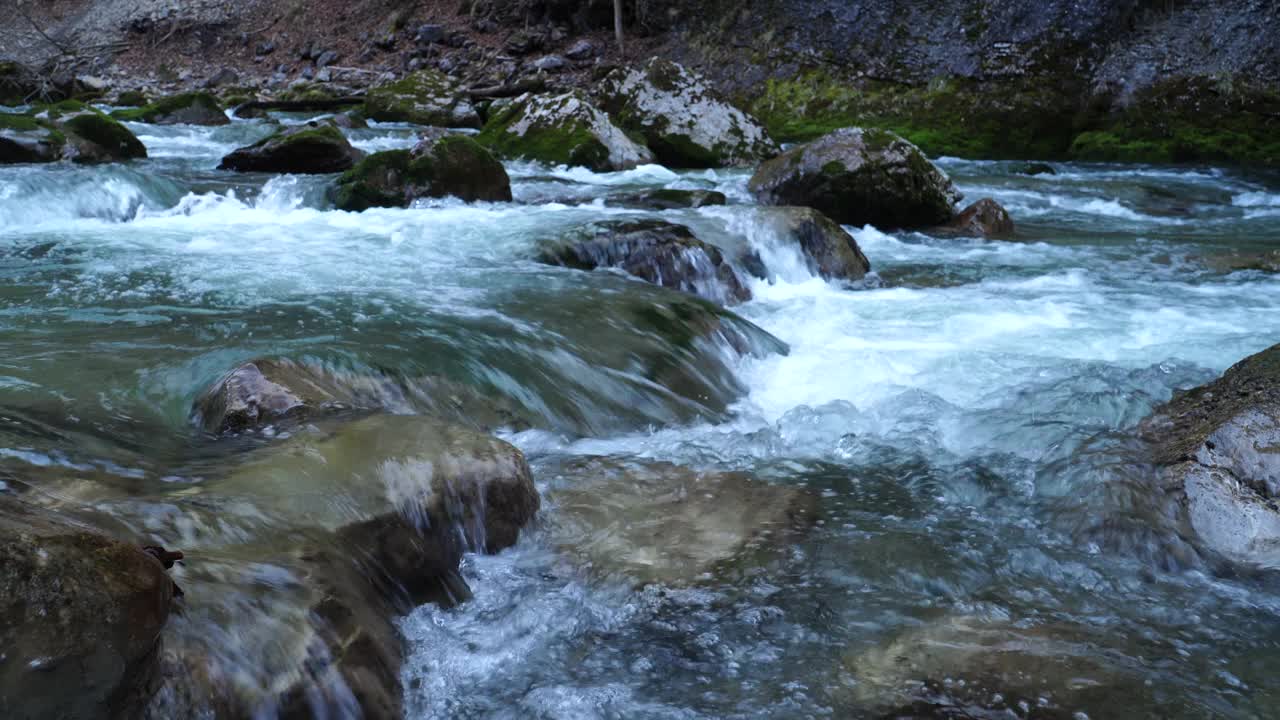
{"points": [[1218, 446], [440, 166], [366, 519], [828, 250], [66, 133], [984, 218], [681, 118], [659, 252], [860, 177], [562, 130], [80, 618], [651, 522], [426, 97], [305, 149], [195, 108], [25, 140]]}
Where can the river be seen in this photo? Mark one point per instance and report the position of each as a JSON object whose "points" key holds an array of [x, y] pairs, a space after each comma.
{"points": [[964, 418]]}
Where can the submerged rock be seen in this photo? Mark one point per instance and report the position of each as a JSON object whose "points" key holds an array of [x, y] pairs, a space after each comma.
{"points": [[984, 218], [990, 668], [667, 199], [425, 97], [1035, 168], [561, 130], [309, 149], [681, 118], [196, 108], [80, 618], [654, 522], [830, 251], [278, 393], [860, 177], [1218, 446], [659, 252], [452, 165]]}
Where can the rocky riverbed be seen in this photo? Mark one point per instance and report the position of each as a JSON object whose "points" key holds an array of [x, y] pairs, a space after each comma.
{"points": [[547, 397]]}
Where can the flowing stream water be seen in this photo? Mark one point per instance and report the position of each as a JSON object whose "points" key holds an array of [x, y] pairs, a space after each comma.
{"points": [[964, 419]]}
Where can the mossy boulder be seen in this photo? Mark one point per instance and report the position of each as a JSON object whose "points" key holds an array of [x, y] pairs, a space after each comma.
{"points": [[304, 149], [667, 199], [562, 130], [66, 131], [440, 166], [80, 618], [195, 108], [682, 120], [658, 252], [425, 97], [1218, 448], [23, 139], [131, 98], [860, 177], [95, 138]]}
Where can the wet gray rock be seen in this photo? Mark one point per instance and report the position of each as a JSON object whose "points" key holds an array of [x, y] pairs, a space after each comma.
{"points": [[828, 249], [367, 519], [1218, 446], [33, 144], [652, 522], [304, 149], [428, 34], [1035, 168], [80, 618], [667, 199], [682, 119], [658, 252], [984, 218], [326, 58], [860, 177]]}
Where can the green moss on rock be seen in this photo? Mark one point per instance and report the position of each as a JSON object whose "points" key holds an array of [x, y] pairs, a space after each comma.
{"points": [[307, 149], [425, 97], [131, 98], [113, 140], [452, 165], [196, 108], [561, 130]]}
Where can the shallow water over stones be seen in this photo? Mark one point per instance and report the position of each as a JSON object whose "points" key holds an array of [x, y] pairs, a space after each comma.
{"points": [[962, 422]]}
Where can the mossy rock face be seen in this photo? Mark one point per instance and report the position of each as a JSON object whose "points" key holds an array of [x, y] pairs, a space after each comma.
{"points": [[1189, 120], [860, 177], [425, 97], [562, 130], [95, 138], [82, 617], [24, 139], [447, 166], [186, 109], [306, 91], [304, 149], [681, 118], [131, 98], [658, 252]]}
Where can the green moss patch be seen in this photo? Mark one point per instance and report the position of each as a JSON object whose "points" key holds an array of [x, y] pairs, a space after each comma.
{"points": [[107, 133]]}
